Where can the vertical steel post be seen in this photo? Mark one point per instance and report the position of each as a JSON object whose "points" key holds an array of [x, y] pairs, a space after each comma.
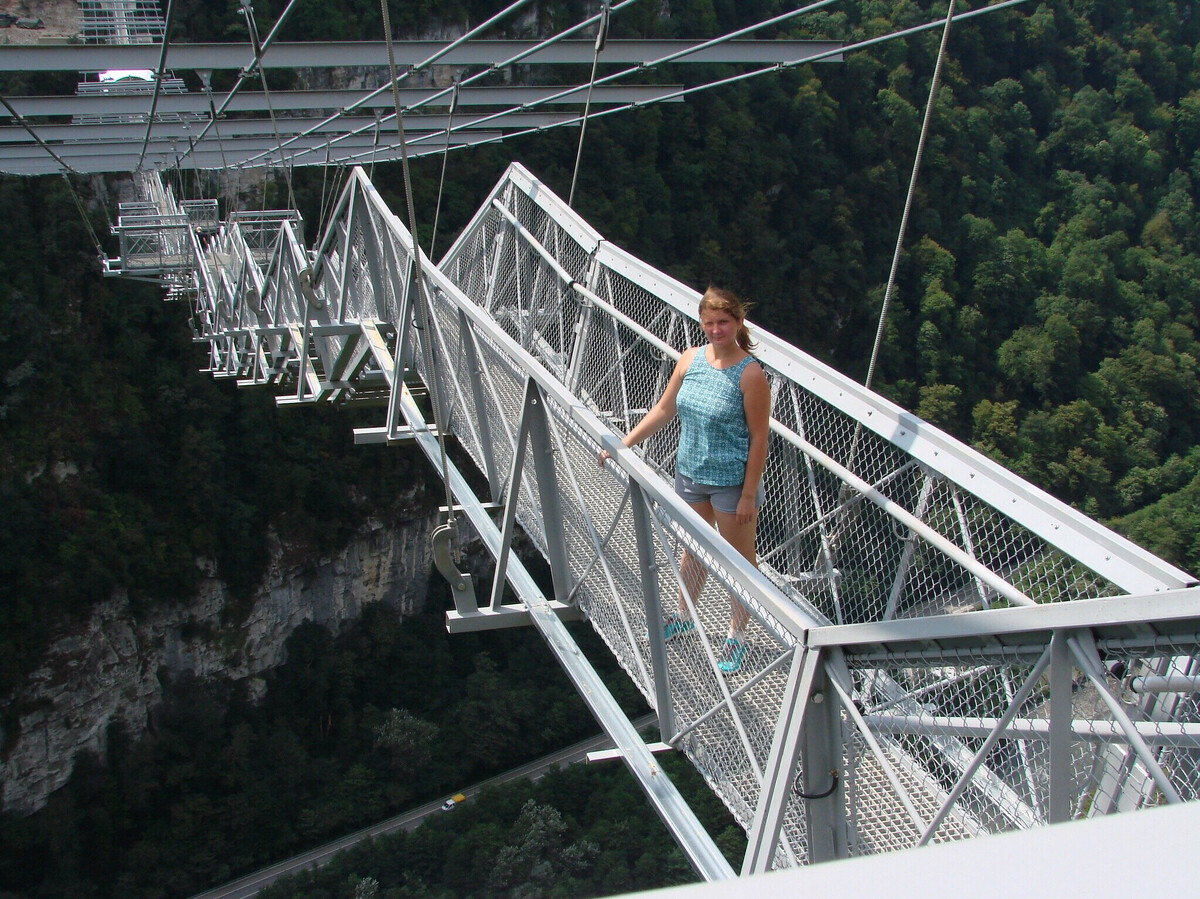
{"points": [[780, 773], [404, 339], [479, 398], [1061, 686], [820, 777], [547, 482], [513, 497], [647, 563], [347, 249]]}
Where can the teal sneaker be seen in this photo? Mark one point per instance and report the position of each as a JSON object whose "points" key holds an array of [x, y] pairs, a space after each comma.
{"points": [[732, 654], [677, 626]]}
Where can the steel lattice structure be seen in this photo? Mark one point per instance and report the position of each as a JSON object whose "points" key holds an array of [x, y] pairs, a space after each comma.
{"points": [[940, 650]]}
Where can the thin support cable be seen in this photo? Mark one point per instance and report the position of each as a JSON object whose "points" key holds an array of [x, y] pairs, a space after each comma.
{"points": [[248, 11], [374, 145], [324, 186], [247, 72], [83, 215], [206, 81], [20, 120], [429, 61], [601, 37], [437, 209], [687, 92], [912, 189], [65, 169], [329, 200], [422, 304], [158, 77]]}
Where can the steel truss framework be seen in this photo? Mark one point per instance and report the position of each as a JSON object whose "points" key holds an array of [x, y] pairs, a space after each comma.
{"points": [[939, 650]]}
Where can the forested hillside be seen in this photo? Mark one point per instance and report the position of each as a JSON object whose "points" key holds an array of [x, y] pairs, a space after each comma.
{"points": [[1046, 312], [121, 466]]}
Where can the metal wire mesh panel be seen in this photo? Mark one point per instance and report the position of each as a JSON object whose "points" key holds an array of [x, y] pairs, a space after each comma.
{"points": [[979, 723], [121, 21]]}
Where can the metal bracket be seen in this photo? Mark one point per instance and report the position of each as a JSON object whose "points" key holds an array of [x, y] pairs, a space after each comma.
{"points": [[461, 587]]}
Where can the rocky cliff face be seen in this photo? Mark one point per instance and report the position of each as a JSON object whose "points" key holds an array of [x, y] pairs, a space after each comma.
{"points": [[109, 669]]}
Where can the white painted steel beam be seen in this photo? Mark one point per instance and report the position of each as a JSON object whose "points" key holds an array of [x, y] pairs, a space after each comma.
{"points": [[235, 147], [1143, 617], [286, 125], [214, 157], [92, 58], [331, 101]]}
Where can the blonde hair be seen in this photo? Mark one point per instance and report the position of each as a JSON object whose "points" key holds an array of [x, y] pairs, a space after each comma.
{"points": [[718, 299]]}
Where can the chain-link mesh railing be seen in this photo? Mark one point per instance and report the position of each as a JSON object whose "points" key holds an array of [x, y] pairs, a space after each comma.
{"points": [[540, 343]]}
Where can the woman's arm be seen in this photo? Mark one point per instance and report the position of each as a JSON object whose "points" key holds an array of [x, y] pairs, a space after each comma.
{"points": [[662, 411], [756, 402]]}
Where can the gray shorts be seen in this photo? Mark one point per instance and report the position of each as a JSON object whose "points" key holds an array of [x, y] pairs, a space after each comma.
{"points": [[723, 499]]}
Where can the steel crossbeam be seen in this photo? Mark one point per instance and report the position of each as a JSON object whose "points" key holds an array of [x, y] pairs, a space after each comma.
{"points": [[998, 660], [283, 55], [324, 100]]}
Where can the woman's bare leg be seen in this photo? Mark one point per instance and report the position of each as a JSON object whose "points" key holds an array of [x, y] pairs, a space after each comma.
{"points": [[742, 538], [691, 572]]}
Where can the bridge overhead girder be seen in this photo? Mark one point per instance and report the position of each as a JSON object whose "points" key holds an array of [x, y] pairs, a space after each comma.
{"points": [[97, 107], [282, 55]]}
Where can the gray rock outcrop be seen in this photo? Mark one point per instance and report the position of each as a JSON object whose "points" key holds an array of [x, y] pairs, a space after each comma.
{"points": [[109, 669]]}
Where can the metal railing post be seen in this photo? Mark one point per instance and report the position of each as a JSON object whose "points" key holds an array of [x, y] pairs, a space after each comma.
{"points": [[763, 837], [482, 419], [547, 482], [1061, 688], [648, 565]]}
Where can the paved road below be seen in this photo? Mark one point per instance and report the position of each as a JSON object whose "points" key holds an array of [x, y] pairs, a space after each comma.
{"points": [[314, 858]]}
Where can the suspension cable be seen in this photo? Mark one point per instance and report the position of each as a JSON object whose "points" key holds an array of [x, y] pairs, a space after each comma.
{"points": [[20, 120], [912, 188], [324, 183], [245, 73], [912, 185], [601, 37], [206, 82], [662, 60], [437, 209], [374, 144], [422, 305], [87, 222], [722, 82], [335, 189], [453, 45], [248, 11], [66, 167], [158, 77]]}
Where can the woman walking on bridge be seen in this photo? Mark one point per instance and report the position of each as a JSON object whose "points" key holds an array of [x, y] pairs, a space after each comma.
{"points": [[723, 401]]}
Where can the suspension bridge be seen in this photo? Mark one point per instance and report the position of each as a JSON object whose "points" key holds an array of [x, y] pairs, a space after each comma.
{"points": [[939, 649]]}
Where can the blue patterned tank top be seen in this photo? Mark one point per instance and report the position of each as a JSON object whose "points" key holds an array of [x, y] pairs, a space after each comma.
{"points": [[714, 441]]}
